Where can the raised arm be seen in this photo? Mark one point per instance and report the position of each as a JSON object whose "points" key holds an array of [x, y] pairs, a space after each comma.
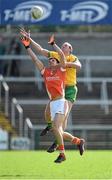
{"points": [[33, 56], [61, 54], [35, 59], [39, 48], [35, 45], [58, 50]]}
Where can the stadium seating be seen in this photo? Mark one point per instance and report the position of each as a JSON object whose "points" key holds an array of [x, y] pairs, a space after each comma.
{"points": [[6, 125]]}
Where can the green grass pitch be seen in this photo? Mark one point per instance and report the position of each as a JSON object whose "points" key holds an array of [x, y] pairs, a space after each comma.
{"points": [[40, 165]]}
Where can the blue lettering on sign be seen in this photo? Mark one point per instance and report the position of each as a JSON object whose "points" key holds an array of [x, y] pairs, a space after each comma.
{"points": [[89, 11], [22, 12]]}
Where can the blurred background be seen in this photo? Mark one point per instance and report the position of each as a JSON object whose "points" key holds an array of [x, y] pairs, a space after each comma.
{"points": [[87, 25]]}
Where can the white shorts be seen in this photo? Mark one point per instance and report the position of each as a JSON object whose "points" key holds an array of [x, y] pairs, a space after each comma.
{"points": [[59, 106]]}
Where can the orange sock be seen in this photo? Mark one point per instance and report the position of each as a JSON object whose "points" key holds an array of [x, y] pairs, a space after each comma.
{"points": [[61, 148], [75, 140]]}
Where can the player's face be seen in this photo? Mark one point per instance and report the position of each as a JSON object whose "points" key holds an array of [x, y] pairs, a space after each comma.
{"points": [[52, 62], [66, 47]]}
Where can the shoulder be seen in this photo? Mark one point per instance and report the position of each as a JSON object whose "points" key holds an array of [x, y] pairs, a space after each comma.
{"points": [[73, 57]]}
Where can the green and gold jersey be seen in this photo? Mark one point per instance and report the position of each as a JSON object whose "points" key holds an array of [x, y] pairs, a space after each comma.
{"points": [[71, 74]]}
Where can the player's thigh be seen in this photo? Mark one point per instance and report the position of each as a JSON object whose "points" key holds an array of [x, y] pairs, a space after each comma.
{"points": [[58, 121]]}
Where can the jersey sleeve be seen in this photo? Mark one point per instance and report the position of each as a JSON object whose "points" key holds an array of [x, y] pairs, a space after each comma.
{"points": [[50, 54]]}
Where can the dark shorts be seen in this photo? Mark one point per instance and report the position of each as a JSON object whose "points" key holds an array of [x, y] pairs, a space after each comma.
{"points": [[71, 93]]}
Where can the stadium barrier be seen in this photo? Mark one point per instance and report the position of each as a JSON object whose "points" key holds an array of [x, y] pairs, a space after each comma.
{"points": [[85, 59], [6, 92], [103, 101], [16, 104], [87, 80], [83, 128]]}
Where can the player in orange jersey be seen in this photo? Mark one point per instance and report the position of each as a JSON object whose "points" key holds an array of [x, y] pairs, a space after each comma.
{"points": [[54, 77]]}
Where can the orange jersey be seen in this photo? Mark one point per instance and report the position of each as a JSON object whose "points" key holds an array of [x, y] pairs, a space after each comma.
{"points": [[54, 81]]}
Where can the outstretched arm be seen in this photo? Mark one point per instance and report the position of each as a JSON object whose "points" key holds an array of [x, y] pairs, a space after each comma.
{"points": [[35, 45], [58, 50], [35, 59], [61, 54], [39, 48], [33, 56]]}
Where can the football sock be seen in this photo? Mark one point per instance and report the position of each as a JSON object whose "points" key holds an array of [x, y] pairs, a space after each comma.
{"points": [[61, 148], [49, 124]]}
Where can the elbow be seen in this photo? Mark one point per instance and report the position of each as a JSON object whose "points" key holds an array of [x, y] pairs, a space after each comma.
{"points": [[79, 67]]}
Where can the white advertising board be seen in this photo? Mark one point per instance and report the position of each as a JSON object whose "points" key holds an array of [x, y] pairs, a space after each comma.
{"points": [[20, 143], [3, 139]]}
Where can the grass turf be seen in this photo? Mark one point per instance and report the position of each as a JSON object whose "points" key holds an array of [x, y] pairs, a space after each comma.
{"points": [[40, 165]]}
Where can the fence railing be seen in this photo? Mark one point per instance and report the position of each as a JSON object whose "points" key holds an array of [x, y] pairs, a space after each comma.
{"points": [[87, 80], [103, 101], [16, 106], [23, 129], [6, 92], [83, 128], [81, 57], [87, 59]]}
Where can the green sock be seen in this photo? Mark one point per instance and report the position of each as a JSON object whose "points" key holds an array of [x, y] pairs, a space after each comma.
{"points": [[49, 124], [56, 142]]}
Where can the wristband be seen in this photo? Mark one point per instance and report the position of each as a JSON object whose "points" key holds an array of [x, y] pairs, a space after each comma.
{"points": [[52, 43], [27, 47]]}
